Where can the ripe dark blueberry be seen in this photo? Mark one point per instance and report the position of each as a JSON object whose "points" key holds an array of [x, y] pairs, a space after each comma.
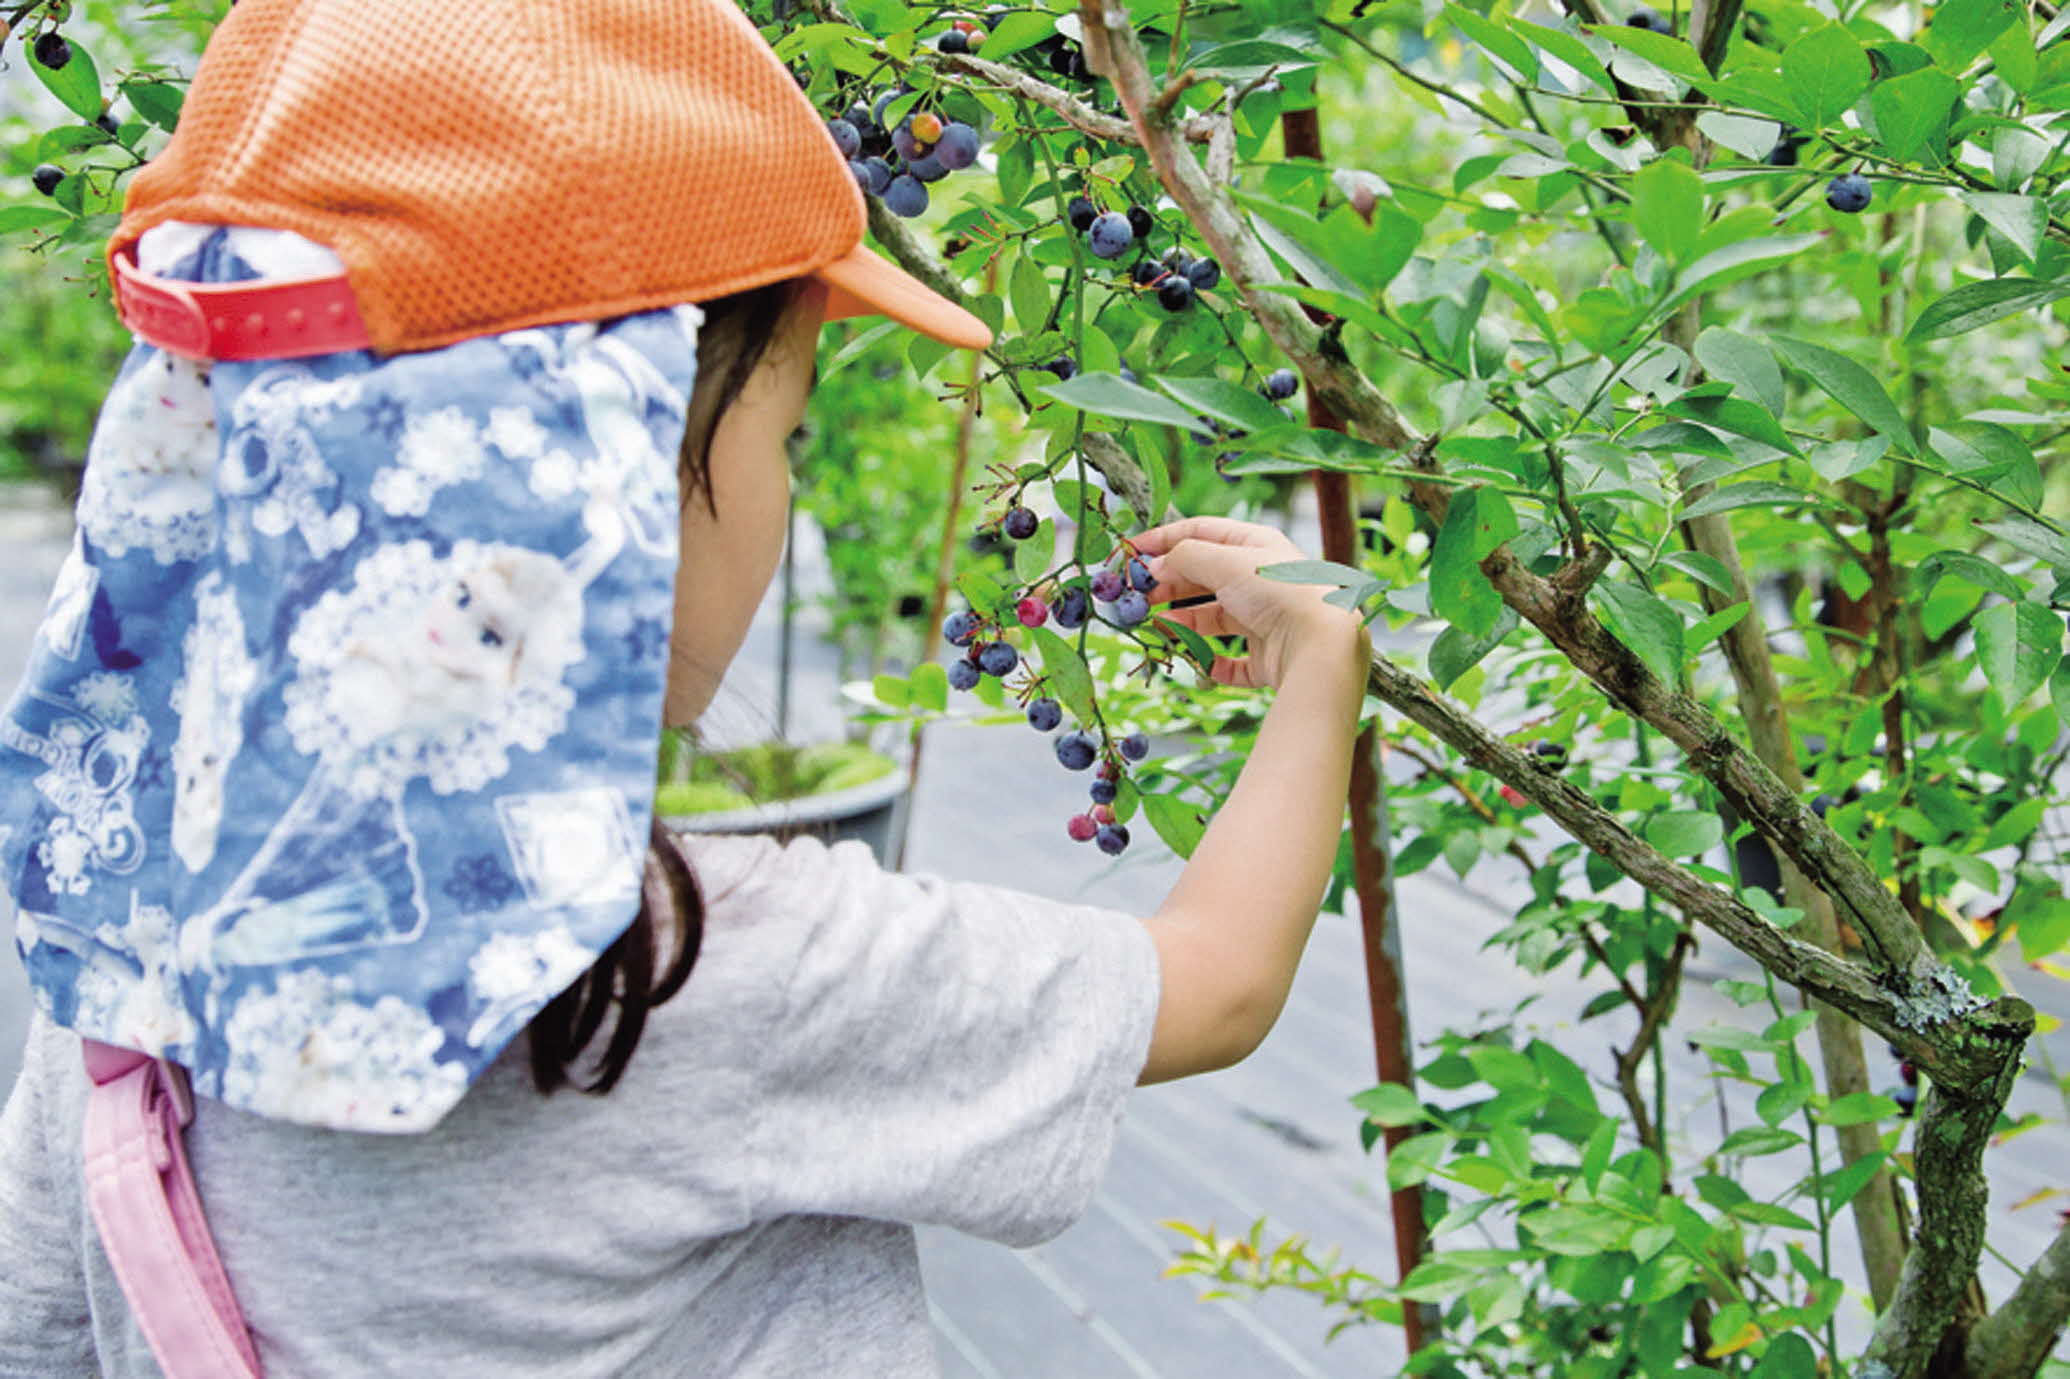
{"points": [[52, 51], [46, 177], [1140, 222], [963, 675], [107, 124], [1145, 272], [1906, 1097], [1110, 236], [1175, 294], [1060, 58], [1020, 522], [1045, 714], [859, 116], [1071, 608], [1112, 839], [1107, 585], [1103, 792], [1064, 367], [958, 146], [1081, 213], [1821, 804], [1139, 576], [1281, 384], [1081, 828], [1032, 611], [1649, 19], [1075, 750], [883, 101], [1176, 258], [959, 627], [998, 658], [908, 144], [1549, 753], [1135, 746], [905, 196], [1203, 274], [954, 41], [1784, 154], [1848, 193], [847, 137], [1131, 608], [927, 168], [861, 175], [879, 173]]}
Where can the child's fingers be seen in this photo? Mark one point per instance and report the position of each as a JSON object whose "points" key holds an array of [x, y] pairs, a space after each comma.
{"points": [[1197, 566], [1237, 672], [1208, 619], [1226, 530]]}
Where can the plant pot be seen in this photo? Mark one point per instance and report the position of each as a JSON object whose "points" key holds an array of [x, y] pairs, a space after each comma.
{"points": [[873, 813]]}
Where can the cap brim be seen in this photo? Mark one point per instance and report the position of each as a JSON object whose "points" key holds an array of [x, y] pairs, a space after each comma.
{"points": [[864, 283]]}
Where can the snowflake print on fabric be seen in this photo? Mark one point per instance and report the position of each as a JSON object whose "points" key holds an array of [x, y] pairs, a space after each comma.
{"points": [[645, 639], [515, 974], [439, 448], [480, 883]]}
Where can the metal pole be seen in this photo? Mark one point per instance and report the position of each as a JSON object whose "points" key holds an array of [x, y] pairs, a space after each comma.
{"points": [[783, 640]]}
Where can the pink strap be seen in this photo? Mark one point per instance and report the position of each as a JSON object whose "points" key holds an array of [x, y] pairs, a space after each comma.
{"points": [[144, 1202], [246, 320]]}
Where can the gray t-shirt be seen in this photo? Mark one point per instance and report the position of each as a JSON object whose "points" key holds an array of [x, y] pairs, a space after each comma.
{"points": [[856, 1050]]}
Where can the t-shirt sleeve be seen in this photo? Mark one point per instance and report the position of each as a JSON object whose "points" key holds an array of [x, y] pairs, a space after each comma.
{"points": [[46, 1326], [947, 1053]]}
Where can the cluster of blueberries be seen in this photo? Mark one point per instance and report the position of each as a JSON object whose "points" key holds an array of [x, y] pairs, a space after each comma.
{"points": [[1177, 277], [897, 164], [53, 51]]}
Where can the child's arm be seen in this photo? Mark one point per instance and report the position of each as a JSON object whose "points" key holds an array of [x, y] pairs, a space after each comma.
{"points": [[1230, 934]]}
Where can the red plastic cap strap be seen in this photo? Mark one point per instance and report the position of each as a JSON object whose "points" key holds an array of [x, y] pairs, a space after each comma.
{"points": [[272, 320]]}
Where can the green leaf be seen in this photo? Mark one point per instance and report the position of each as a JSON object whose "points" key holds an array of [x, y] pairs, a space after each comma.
{"points": [[1981, 303], [14, 218], [985, 596], [893, 690], [2026, 534], [76, 83], [1495, 40], [1293, 235], [1704, 569], [1911, 109], [1111, 395], [1963, 565], [1667, 207], [1745, 363], [1685, 832], [1453, 652], [1021, 29], [1839, 1188], [1650, 629], [157, 101], [1413, 1160], [1315, 572], [1031, 557], [1781, 1100], [1664, 51], [1176, 821], [1752, 1141], [849, 352], [930, 686], [1856, 1108], [1737, 415], [1963, 28], [1224, 401], [1064, 673], [1852, 386], [1826, 71], [1028, 288], [1760, 493], [2018, 644], [1391, 1104], [1478, 521], [2021, 219], [1736, 261]]}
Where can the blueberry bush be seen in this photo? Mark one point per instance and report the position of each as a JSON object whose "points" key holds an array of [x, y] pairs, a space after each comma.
{"points": [[1702, 373]]}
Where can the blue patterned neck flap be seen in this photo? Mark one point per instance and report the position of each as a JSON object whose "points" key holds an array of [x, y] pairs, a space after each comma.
{"points": [[334, 759]]}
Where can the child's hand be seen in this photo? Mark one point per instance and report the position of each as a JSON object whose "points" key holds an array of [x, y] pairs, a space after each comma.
{"points": [[1220, 556]]}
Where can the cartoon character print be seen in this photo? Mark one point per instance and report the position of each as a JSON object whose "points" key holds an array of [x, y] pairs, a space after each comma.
{"points": [[126, 991], [149, 482], [90, 747], [273, 466], [217, 674]]}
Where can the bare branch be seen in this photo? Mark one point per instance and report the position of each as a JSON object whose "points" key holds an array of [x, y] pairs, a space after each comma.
{"points": [[2013, 1341]]}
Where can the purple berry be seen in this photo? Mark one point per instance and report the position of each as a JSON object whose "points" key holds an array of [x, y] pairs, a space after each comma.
{"points": [[1107, 586], [1020, 522], [1907, 1098], [1203, 274], [1848, 193], [1064, 367], [998, 658], [879, 173], [905, 196], [847, 137], [1081, 213], [46, 177], [1081, 828], [927, 168], [1110, 236], [906, 142], [1045, 714], [963, 675], [52, 51], [953, 41], [1281, 384], [959, 627], [1140, 223], [1131, 608], [1175, 294], [1139, 576], [1135, 746], [1071, 608], [958, 146], [1112, 839], [1103, 792], [1145, 272], [1076, 750], [1033, 611]]}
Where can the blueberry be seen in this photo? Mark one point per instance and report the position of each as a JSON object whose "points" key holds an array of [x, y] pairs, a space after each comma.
{"points": [[107, 124], [998, 658], [1139, 576], [1045, 714], [958, 146], [954, 41], [1081, 828], [1649, 19], [1081, 213], [52, 51], [1103, 792], [1128, 375], [1906, 1097], [1281, 384], [879, 174], [1075, 750], [1848, 193], [1112, 839], [1908, 1074], [1784, 154], [963, 675], [959, 627], [905, 196], [1175, 294], [861, 175], [1549, 753], [1145, 272], [1071, 608], [1140, 222], [1135, 746], [877, 110], [1131, 608], [1063, 366], [847, 137], [859, 116], [1020, 522], [1203, 274], [1107, 586], [905, 142], [46, 177], [1110, 236], [1821, 804], [927, 168]]}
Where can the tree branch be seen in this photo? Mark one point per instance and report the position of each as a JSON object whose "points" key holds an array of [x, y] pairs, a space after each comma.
{"points": [[2012, 1342]]}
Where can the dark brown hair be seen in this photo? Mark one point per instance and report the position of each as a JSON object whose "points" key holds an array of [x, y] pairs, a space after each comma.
{"points": [[629, 974]]}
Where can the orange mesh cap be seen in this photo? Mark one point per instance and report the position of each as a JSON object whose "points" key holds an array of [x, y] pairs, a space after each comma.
{"points": [[492, 164]]}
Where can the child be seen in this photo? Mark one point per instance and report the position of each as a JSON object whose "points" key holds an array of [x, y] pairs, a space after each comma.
{"points": [[389, 585]]}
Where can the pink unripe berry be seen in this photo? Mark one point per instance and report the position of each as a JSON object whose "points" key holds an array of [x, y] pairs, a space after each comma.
{"points": [[1032, 611], [1102, 813], [1082, 828]]}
